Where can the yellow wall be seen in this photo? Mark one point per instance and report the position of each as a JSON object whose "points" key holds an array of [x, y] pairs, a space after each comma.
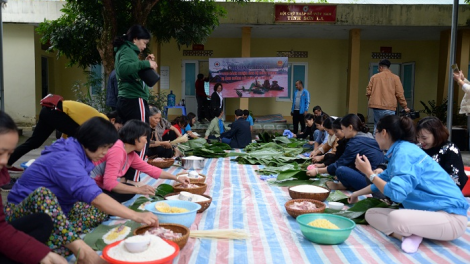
{"points": [[19, 72], [327, 69], [61, 77], [423, 53]]}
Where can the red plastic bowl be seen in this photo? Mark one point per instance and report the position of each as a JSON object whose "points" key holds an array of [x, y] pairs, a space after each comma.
{"points": [[167, 260]]}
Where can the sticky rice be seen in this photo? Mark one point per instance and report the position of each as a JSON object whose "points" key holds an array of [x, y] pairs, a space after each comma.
{"points": [[309, 189], [158, 249], [116, 234]]}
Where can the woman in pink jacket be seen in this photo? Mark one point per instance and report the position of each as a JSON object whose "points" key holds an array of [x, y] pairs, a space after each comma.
{"points": [[108, 170]]}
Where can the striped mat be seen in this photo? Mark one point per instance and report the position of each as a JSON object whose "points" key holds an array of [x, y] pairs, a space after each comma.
{"points": [[242, 201]]}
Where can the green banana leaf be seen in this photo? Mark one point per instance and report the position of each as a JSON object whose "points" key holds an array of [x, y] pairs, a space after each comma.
{"points": [[276, 169], [358, 210], [196, 143], [337, 196], [288, 174], [163, 189], [95, 238], [284, 140]]}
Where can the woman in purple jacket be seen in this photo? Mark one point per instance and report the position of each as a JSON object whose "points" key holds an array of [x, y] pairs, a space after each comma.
{"points": [[58, 183]]}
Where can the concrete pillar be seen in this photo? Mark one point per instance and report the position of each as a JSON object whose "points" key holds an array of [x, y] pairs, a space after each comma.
{"points": [[246, 49], [462, 59], [443, 72], [353, 70]]}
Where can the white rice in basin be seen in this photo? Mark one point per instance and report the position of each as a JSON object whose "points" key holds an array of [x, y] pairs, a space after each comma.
{"points": [[309, 189], [158, 249]]}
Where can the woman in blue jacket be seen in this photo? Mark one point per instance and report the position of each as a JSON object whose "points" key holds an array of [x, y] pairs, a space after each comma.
{"points": [[360, 142], [434, 207]]}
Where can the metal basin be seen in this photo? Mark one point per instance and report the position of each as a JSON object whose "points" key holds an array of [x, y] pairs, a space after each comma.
{"points": [[193, 163]]}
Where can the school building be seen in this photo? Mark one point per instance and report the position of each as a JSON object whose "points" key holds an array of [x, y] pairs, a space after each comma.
{"points": [[334, 52]]}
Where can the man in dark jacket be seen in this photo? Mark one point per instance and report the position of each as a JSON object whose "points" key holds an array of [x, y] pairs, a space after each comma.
{"points": [[240, 135], [112, 91]]}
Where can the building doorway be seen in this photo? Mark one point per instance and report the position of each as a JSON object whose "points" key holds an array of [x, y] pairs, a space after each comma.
{"points": [[406, 72]]}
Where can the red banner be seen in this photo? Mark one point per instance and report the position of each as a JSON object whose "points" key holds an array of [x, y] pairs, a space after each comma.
{"points": [[305, 13]]}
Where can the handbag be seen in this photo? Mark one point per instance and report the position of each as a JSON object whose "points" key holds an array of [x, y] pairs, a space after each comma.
{"points": [[149, 76], [52, 101]]}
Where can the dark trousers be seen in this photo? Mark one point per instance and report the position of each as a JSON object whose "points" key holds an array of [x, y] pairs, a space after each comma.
{"points": [[39, 226], [169, 136], [297, 118], [202, 107], [160, 152], [128, 109], [120, 197], [49, 120]]}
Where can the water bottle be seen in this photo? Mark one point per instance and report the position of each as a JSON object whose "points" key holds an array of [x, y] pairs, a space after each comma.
{"points": [[171, 98]]}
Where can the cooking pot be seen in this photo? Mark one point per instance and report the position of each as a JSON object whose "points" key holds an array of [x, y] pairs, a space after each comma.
{"points": [[193, 163]]}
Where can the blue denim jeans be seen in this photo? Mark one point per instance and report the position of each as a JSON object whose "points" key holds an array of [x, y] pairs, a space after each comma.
{"points": [[351, 179], [379, 113]]}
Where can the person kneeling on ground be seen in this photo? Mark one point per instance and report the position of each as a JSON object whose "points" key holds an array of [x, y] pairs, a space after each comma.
{"points": [[191, 119], [23, 239], [58, 183], [434, 207], [216, 127], [308, 131], [133, 137], [239, 136], [360, 142]]}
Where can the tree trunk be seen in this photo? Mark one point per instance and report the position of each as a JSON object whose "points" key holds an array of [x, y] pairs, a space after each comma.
{"points": [[141, 10], [105, 43]]}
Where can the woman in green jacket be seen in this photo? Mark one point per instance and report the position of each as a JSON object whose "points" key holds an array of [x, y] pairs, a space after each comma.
{"points": [[133, 93], [213, 131]]}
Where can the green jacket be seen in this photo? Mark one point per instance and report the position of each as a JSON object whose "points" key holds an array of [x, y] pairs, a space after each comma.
{"points": [[127, 65], [214, 128]]}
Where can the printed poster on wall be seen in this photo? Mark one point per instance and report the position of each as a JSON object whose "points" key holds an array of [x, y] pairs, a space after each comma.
{"points": [[249, 77]]}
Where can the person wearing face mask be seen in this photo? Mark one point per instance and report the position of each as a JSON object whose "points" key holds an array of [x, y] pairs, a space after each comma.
{"points": [[133, 93], [58, 183], [432, 136]]}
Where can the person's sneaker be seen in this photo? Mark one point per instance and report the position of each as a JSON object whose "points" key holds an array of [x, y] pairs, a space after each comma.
{"points": [[7, 187], [14, 170]]}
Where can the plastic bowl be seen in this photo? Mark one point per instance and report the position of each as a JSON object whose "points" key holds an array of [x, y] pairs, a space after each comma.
{"points": [[322, 235], [185, 219], [137, 244], [335, 205], [167, 260]]}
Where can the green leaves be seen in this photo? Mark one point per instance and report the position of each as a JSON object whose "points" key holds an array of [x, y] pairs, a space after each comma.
{"points": [[288, 174], [199, 147], [163, 189], [358, 210], [337, 196]]}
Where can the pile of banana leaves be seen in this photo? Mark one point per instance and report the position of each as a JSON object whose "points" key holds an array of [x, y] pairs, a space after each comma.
{"points": [[200, 148], [278, 153]]}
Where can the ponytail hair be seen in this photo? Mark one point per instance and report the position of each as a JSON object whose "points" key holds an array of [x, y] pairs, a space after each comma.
{"points": [[399, 128], [134, 32], [354, 121], [328, 123]]}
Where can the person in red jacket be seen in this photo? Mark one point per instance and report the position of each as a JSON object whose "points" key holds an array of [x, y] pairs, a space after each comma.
{"points": [[22, 240]]}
